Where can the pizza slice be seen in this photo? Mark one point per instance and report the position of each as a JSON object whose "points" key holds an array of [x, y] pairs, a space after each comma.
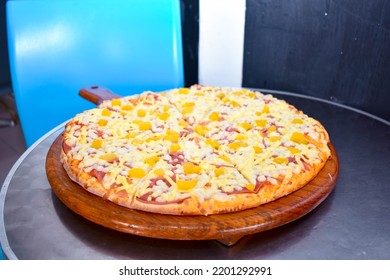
{"points": [[192, 178], [194, 102]]}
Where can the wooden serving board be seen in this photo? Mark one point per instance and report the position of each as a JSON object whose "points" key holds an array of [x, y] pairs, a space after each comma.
{"points": [[226, 228]]}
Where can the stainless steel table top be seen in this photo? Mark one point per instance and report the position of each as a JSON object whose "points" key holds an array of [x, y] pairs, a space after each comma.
{"points": [[352, 223]]}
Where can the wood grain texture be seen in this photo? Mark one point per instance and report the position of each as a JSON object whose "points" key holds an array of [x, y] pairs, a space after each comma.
{"points": [[226, 228]]}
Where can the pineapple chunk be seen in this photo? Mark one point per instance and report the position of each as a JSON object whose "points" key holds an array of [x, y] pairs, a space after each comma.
{"points": [[240, 137], [274, 138], [246, 126], [234, 103], [297, 121], [159, 172], [293, 150], [219, 171], [102, 122], [152, 160], [106, 112], [214, 116], [200, 129], [190, 168], [153, 138], [280, 160], [141, 113], [257, 149], [188, 104], [230, 102], [116, 102], [299, 138], [272, 128], [164, 116], [144, 125], [108, 157], [183, 123], [187, 110], [174, 148], [186, 185], [97, 144], [213, 143], [184, 90], [261, 123], [137, 141], [130, 135], [127, 107], [137, 173], [225, 158], [250, 187], [237, 145], [172, 136]]}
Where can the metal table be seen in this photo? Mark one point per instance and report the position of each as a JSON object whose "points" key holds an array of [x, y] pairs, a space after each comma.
{"points": [[352, 223]]}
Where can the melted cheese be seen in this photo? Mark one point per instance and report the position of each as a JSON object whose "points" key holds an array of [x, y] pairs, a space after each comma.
{"points": [[255, 137]]}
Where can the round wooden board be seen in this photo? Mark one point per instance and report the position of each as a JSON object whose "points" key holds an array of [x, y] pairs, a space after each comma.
{"points": [[226, 228]]}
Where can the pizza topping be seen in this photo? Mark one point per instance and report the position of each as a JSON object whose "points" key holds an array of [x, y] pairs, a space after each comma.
{"points": [[98, 174], [172, 136], [190, 168], [159, 172], [250, 187], [97, 144], [297, 121], [201, 144], [136, 173], [299, 138], [293, 150], [116, 102], [184, 90], [164, 116], [200, 129], [213, 143], [186, 185], [152, 160], [261, 123], [280, 160], [141, 113], [144, 126], [109, 157], [106, 112], [102, 122], [174, 148], [66, 147], [219, 171], [246, 126], [237, 145], [257, 149], [214, 116]]}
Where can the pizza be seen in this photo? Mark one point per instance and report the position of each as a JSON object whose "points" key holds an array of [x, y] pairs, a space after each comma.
{"points": [[193, 151]]}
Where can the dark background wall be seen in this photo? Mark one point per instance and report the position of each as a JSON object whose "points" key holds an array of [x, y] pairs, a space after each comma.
{"points": [[333, 49], [5, 80], [190, 34]]}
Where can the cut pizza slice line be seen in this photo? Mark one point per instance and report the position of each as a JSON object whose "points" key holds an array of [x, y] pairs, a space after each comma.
{"points": [[238, 104], [170, 184], [145, 114], [195, 102], [248, 150]]}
